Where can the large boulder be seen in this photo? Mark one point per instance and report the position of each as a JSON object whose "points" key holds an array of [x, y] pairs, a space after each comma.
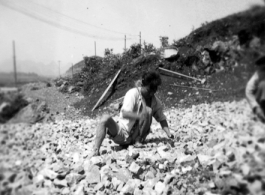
{"points": [[10, 104], [35, 112]]}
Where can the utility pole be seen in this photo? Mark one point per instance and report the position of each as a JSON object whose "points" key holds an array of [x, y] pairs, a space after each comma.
{"points": [[125, 43], [72, 70], [140, 42], [15, 68], [59, 69], [140, 39], [95, 49]]}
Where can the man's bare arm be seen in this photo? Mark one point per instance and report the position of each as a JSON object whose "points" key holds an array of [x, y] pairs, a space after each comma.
{"points": [[165, 127], [250, 89]]}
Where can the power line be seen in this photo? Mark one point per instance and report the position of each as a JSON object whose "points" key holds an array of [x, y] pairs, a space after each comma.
{"points": [[55, 24], [83, 21]]}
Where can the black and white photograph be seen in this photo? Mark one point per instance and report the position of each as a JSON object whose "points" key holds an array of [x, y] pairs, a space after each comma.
{"points": [[132, 97]]}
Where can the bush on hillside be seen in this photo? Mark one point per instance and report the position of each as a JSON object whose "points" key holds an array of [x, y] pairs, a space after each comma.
{"points": [[134, 51], [149, 48]]}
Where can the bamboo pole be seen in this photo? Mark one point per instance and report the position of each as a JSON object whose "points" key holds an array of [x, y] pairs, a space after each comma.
{"points": [[202, 81], [103, 95], [197, 88]]}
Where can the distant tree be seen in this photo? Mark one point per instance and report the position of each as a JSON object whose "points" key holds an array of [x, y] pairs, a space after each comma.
{"points": [[204, 23], [134, 51], [164, 41], [108, 52], [148, 47], [86, 60], [193, 28]]}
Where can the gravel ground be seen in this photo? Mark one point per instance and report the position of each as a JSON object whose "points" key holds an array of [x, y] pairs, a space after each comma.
{"points": [[218, 149], [59, 104]]}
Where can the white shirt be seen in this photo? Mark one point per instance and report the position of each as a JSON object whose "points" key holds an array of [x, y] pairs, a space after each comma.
{"points": [[132, 103]]}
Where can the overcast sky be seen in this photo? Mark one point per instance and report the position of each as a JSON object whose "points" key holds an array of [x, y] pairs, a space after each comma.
{"points": [[48, 31]]}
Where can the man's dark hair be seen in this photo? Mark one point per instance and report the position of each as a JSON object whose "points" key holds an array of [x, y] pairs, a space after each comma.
{"points": [[151, 78]]}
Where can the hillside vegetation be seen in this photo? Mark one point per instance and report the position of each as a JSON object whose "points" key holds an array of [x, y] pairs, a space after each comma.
{"points": [[242, 38]]}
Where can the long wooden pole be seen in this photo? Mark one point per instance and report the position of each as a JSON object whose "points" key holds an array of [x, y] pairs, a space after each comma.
{"points": [[95, 48], [180, 74], [72, 70], [125, 43], [197, 88], [103, 95]]}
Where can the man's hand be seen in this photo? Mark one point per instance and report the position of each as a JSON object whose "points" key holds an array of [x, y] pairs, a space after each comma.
{"points": [[259, 112]]}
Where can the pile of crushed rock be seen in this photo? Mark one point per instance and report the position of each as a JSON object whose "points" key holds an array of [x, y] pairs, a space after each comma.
{"points": [[218, 149]]}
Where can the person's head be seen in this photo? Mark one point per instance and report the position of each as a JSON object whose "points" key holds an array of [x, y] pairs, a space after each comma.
{"points": [[150, 82], [260, 63]]}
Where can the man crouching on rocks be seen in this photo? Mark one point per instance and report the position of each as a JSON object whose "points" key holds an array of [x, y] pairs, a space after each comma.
{"points": [[255, 89], [133, 126]]}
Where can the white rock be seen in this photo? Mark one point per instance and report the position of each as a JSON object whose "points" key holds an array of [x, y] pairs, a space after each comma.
{"points": [[186, 169], [95, 160], [134, 168], [160, 187], [161, 166], [76, 157], [115, 183]]}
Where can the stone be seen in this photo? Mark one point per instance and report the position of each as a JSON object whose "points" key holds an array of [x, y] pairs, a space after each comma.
{"points": [[163, 151], [80, 189], [74, 178], [115, 183], [130, 186], [181, 101], [149, 175], [120, 186], [39, 179], [60, 183], [99, 187], [160, 187], [79, 168], [204, 159], [134, 168], [245, 168], [255, 187], [76, 157], [148, 191], [65, 191], [150, 183], [42, 191], [93, 176], [48, 183], [31, 114], [161, 166], [96, 160], [47, 173], [137, 191], [169, 177], [105, 173], [123, 175], [186, 169], [107, 184], [186, 159]]}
